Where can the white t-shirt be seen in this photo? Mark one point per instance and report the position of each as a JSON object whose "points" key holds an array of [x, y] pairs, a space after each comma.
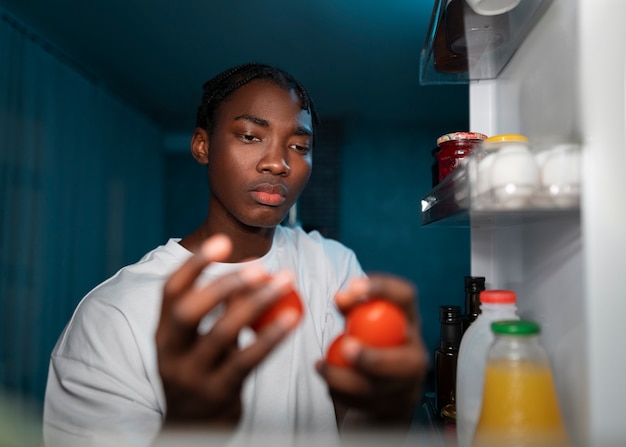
{"points": [[103, 383]]}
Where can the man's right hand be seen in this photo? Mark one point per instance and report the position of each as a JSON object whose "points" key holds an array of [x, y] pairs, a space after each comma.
{"points": [[203, 373]]}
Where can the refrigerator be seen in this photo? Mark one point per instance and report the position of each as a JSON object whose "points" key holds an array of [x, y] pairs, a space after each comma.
{"points": [[559, 79]]}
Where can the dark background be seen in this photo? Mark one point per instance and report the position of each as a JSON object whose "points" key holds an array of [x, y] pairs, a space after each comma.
{"points": [[360, 61]]}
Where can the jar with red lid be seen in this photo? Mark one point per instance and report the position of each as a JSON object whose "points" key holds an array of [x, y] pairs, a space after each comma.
{"points": [[454, 147]]}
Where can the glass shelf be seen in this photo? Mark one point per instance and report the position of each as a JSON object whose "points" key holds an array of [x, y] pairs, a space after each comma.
{"points": [[485, 56], [454, 203]]}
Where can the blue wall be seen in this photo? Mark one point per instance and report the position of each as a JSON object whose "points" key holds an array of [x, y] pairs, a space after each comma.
{"points": [[80, 196], [386, 172]]}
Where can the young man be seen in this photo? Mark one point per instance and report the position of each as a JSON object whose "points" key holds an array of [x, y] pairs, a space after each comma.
{"points": [[168, 339]]}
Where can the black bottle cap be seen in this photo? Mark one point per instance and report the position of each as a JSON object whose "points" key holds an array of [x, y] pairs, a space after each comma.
{"points": [[474, 283], [451, 326]]}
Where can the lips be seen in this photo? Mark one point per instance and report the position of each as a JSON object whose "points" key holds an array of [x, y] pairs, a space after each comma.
{"points": [[270, 194]]}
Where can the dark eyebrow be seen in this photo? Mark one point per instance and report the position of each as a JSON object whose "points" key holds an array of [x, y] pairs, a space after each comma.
{"points": [[253, 119], [303, 131]]}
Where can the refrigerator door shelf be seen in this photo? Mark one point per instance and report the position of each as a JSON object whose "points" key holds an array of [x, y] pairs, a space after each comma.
{"points": [[462, 45], [466, 197]]}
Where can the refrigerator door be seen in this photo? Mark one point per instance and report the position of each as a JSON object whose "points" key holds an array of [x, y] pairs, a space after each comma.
{"points": [[566, 83]]}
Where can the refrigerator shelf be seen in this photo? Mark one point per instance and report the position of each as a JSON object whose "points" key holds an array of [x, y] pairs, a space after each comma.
{"points": [[454, 202], [479, 57]]}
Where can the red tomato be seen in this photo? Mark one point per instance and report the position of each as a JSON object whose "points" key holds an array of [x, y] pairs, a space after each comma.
{"points": [[334, 355], [377, 323], [290, 301]]}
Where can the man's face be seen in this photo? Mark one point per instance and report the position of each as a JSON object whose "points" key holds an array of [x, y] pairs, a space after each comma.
{"points": [[259, 155]]}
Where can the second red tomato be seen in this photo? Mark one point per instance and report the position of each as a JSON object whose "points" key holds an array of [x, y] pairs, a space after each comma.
{"points": [[334, 356], [377, 323]]}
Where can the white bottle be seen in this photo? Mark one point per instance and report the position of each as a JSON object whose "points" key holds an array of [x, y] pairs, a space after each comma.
{"points": [[495, 305]]}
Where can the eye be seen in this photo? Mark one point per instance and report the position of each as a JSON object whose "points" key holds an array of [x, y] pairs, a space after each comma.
{"points": [[300, 148], [247, 138]]}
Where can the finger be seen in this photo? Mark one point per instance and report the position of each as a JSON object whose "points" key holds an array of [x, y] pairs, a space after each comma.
{"points": [[404, 361], [383, 405], [172, 332], [216, 248], [197, 302], [240, 365], [407, 361], [178, 328], [239, 314], [373, 393], [395, 289], [356, 292], [346, 380]]}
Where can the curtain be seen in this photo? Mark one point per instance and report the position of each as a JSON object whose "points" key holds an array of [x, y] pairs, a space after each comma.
{"points": [[80, 196]]}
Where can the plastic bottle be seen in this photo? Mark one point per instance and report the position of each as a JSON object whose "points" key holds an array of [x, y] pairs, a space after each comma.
{"points": [[495, 305], [446, 359], [520, 404]]}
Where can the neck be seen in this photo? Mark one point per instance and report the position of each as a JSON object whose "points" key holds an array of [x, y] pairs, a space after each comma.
{"points": [[248, 242]]}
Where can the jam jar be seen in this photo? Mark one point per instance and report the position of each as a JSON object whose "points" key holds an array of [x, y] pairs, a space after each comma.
{"points": [[454, 147]]}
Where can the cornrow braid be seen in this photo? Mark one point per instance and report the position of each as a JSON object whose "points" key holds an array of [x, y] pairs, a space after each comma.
{"points": [[219, 88]]}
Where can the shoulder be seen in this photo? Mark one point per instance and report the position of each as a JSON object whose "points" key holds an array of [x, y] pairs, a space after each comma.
{"points": [[128, 302], [129, 285]]}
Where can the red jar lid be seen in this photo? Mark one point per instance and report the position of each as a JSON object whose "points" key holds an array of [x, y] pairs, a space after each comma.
{"points": [[455, 136], [495, 296]]}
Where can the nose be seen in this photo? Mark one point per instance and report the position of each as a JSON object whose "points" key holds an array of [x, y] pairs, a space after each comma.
{"points": [[274, 160]]}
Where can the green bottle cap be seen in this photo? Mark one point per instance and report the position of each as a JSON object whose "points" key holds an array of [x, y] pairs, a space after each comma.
{"points": [[515, 327]]}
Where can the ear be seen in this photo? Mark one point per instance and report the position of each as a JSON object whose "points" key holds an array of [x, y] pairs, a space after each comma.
{"points": [[200, 146]]}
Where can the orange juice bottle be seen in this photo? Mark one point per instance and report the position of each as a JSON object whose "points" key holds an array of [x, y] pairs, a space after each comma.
{"points": [[520, 406]]}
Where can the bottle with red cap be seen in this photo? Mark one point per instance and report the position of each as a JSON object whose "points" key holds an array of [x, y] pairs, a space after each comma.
{"points": [[495, 305]]}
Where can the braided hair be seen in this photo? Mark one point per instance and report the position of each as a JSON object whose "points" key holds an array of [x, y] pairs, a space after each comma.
{"points": [[218, 89]]}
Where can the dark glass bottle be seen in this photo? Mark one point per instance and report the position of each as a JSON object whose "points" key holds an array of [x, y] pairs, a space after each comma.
{"points": [[434, 169], [473, 286], [446, 356], [446, 60]]}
